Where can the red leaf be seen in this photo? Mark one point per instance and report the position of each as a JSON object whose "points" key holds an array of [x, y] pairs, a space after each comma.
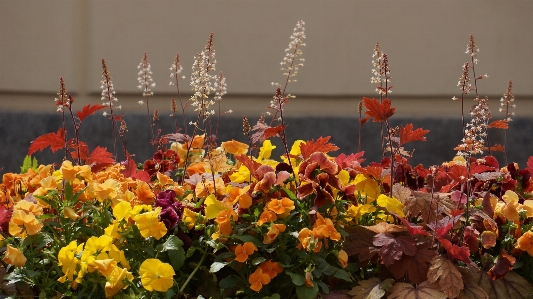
{"points": [[362, 121], [458, 173], [88, 110], [499, 124], [320, 145], [274, 131], [530, 165], [55, 141], [414, 229], [131, 170], [441, 231], [407, 134], [379, 111], [83, 151], [100, 158], [455, 252], [250, 164], [346, 161]]}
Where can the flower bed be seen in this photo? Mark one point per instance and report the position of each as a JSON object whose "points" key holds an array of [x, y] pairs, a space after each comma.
{"points": [[202, 219]]}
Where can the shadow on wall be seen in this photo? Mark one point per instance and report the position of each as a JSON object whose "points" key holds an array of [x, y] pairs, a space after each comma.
{"points": [[17, 130]]}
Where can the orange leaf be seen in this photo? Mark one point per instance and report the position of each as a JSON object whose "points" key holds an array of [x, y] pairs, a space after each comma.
{"points": [[499, 124], [407, 134], [88, 110], [55, 141], [274, 131], [379, 111], [455, 252], [497, 148], [320, 145]]}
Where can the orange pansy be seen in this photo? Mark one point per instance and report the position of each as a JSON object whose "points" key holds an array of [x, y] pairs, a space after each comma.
{"points": [[342, 257], [281, 206], [258, 279], [525, 242], [235, 147], [266, 217], [272, 269], [273, 233], [324, 228], [14, 257], [242, 251]]}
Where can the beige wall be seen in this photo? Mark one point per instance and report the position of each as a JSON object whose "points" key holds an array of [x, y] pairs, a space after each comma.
{"points": [[424, 39]]}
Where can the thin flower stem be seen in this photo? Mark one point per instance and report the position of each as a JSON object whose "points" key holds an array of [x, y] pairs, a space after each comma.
{"points": [[193, 272]]}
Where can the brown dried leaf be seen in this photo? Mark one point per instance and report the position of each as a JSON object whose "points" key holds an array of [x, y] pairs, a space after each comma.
{"points": [[372, 288], [384, 227], [512, 286], [450, 279], [414, 267], [392, 248], [471, 290], [422, 204], [425, 290], [359, 241]]}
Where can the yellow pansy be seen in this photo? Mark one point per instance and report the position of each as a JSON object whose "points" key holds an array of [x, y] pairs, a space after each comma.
{"points": [[156, 275], [266, 150], [68, 261], [368, 188], [392, 204], [213, 206], [149, 224], [241, 175], [115, 281], [190, 218]]}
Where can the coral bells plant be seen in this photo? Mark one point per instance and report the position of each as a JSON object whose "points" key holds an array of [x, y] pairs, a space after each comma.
{"points": [[207, 220]]}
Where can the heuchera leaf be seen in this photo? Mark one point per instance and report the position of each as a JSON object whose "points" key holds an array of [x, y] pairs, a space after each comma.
{"points": [[425, 290], [392, 248], [379, 111], [320, 145], [55, 141], [131, 170], [372, 288], [359, 241], [415, 267], [100, 158], [346, 161], [512, 286], [444, 271], [274, 131], [408, 135], [499, 124], [530, 165], [88, 110], [455, 252]]}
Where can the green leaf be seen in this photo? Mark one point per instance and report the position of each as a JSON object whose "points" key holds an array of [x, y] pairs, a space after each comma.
{"points": [[224, 255], [274, 296], [40, 240], [258, 260], [28, 164], [290, 194], [304, 292], [249, 238], [172, 243], [297, 278], [177, 258], [216, 266], [229, 282], [323, 286]]}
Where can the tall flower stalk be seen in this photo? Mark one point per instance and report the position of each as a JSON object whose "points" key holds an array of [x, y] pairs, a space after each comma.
{"points": [[146, 83], [175, 72], [506, 103], [108, 96]]}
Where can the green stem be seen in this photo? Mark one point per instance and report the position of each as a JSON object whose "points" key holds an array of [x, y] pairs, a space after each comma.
{"points": [[193, 272]]}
